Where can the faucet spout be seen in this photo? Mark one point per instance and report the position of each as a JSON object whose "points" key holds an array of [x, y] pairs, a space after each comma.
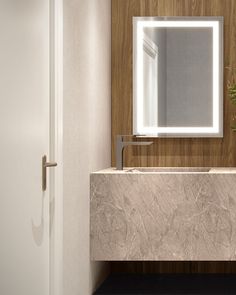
{"points": [[120, 144]]}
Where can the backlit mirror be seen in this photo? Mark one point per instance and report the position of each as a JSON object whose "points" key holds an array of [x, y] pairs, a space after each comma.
{"points": [[178, 76]]}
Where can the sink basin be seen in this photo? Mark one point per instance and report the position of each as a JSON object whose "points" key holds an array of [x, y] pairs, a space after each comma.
{"points": [[171, 170]]}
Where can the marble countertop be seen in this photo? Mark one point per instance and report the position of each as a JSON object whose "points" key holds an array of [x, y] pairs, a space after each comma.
{"points": [[168, 170]]}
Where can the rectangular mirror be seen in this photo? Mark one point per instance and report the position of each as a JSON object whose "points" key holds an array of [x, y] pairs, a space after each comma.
{"points": [[178, 76]]}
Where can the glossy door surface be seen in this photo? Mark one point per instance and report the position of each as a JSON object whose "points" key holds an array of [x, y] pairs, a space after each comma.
{"points": [[24, 130]]}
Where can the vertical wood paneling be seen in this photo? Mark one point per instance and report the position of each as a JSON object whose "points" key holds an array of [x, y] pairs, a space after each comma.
{"points": [[210, 152], [167, 152]]}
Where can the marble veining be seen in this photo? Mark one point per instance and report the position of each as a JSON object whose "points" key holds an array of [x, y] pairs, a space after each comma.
{"points": [[163, 216]]}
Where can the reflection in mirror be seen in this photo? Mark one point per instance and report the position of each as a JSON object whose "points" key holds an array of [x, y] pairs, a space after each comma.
{"points": [[178, 77]]}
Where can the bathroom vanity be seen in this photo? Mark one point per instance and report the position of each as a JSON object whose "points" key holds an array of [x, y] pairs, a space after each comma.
{"points": [[162, 214]]}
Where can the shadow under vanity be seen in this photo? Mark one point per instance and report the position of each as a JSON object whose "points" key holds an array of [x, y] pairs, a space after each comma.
{"points": [[156, 220]]}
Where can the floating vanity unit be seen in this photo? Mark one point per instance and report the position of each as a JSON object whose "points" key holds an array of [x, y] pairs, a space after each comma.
{"points": [[169, 213], [163, 214]]}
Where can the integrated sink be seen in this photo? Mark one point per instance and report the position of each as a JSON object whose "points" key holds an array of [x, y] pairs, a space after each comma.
{"points": [[162, 214]]}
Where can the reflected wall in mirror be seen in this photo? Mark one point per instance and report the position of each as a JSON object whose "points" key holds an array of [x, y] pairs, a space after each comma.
{"points": [[178, 76]]}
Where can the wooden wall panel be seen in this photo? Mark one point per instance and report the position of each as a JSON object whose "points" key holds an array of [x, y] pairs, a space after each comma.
{"points": [[169, 152]]}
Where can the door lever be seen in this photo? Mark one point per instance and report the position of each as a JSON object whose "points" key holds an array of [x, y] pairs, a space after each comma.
{"points": [[46, 165]]}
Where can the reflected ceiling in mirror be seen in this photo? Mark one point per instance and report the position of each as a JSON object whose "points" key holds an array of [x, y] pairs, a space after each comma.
{"points": [[178, 77]]}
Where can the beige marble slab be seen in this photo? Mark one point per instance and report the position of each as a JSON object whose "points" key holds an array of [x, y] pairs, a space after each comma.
{"points": [[163, 215]]}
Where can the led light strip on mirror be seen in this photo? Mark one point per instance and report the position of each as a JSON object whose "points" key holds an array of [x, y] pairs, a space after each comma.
{"points": [[138, 121]]}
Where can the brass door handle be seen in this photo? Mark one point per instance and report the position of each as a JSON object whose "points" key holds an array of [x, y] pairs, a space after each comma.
{"points": [[46, 165]]}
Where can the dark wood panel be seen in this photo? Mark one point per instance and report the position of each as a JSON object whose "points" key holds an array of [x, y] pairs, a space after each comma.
{"points": [[174, 267], [169, 152]]}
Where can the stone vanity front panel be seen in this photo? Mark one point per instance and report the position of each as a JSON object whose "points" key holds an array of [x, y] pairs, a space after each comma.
{"points": [[161, 216]]}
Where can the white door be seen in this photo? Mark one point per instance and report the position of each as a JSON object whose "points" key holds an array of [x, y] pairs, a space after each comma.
{"points": [[24, 139]]}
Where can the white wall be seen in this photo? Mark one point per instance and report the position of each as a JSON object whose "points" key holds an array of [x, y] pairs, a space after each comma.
{"points": [[87, 124]]}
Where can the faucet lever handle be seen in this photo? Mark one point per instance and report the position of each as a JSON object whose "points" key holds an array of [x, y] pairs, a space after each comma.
{"points": [[121, 136], [139, 142]]}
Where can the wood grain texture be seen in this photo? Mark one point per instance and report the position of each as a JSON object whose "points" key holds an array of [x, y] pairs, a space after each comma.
{"points": [[210, 152], [168, 152]]}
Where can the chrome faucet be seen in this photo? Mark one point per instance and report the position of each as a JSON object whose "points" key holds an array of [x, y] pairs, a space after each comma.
{"points": [[120, 144]]}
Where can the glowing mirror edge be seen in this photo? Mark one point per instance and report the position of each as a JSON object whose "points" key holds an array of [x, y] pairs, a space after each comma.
{"points": [[138, 120]]}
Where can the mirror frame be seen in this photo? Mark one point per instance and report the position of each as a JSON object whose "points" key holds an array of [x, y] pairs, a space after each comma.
{"points": [[216, 23]]}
